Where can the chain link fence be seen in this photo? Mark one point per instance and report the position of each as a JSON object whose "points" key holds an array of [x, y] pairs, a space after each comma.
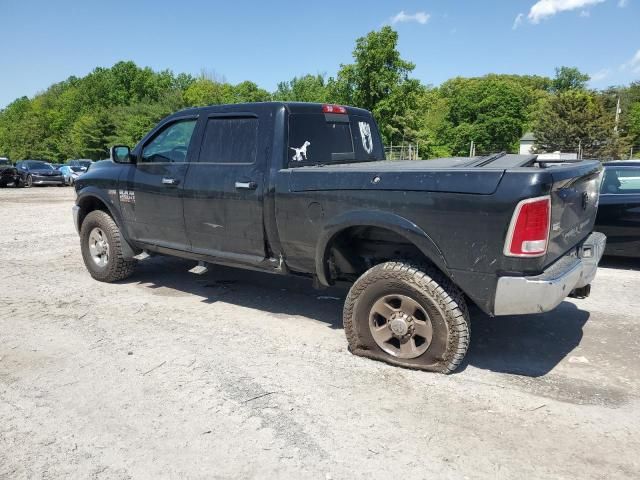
{"points": [[409, 151]]}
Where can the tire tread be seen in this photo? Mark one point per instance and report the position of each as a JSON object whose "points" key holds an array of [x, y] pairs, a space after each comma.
{"points": [[438, 287], [118, 267]]}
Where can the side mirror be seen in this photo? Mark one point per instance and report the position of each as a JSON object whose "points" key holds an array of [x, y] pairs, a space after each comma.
{"points": [[121, 154]]}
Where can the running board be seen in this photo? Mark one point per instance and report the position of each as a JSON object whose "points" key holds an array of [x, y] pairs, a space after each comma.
{"points": [[200, 269]]}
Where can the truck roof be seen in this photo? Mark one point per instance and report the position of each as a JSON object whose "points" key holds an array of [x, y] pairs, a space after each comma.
{"points": [[291, 107]]}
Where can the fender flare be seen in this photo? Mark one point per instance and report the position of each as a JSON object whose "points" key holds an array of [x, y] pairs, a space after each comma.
{"points": [[128, 251], [367, 218]]}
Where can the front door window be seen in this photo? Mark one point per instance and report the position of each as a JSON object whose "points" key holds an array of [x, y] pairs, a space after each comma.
{"points": [[170, 145]]}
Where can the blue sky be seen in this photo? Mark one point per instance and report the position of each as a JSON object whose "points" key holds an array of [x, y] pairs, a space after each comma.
{"points": [[270, 41]]}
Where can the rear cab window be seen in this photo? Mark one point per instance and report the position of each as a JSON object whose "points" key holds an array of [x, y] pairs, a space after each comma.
{"points": [[328, 138]]}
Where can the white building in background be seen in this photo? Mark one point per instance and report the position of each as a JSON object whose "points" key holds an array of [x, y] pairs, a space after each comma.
{"points": [[526, 143], [526, 147]]}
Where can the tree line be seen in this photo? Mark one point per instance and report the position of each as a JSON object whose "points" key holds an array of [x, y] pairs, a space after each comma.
{"points": [[81, 117]]}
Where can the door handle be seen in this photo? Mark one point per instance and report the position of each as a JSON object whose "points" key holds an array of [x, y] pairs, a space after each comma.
{"points": [[246, 185], [170, 181]]}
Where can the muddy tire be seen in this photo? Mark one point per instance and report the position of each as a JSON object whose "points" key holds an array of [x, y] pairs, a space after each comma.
{"points": [[101, 246], [407, 316]]}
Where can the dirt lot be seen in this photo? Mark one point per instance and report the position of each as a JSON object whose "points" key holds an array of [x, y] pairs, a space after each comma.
{"points": [[244, 375]]}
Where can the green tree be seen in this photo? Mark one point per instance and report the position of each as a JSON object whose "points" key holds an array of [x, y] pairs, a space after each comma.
{"points": [[377, 71], [89, 136], [308, 88], [249, 92], [132, 122], [77, 116], [378, 80], [398, 115], [492, 111], [633, 128], [569, 78], [208, 92], [575, 119]]}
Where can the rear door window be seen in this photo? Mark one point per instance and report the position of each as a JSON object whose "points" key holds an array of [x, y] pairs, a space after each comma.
{"points": [[230, 140], [316, 139]]}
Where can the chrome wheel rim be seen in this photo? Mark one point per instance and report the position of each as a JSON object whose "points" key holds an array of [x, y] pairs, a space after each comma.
{"points": [[98, 247], [400, 326]]}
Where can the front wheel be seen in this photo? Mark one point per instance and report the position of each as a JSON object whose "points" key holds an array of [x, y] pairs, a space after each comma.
{"points": [[102, 249], [407, 316], [29, 181]]}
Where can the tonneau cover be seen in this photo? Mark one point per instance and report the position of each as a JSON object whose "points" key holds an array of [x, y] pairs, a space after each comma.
{"points": [[441, 175]]}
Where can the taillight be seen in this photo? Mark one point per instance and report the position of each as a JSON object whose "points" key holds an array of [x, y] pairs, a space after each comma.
{"points": [[528, 233], [334, 109]]}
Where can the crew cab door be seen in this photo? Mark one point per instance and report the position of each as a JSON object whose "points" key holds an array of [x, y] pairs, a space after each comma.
{"points": [[151, 195], [224, 189]]}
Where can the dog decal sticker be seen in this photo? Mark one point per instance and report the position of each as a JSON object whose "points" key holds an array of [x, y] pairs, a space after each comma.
{"points": [[365, 135], [301, 153]]}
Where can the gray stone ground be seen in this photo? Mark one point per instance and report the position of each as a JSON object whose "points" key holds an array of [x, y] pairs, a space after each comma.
{"points": [[244, 375]]}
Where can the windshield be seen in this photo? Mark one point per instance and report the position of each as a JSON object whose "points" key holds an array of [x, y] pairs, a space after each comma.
{"points": [[5, 162], [76, 169], [39, 164], [316, 139]]}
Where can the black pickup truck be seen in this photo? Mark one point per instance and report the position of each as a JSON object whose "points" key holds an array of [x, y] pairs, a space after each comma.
{"points": [[304, 189]]}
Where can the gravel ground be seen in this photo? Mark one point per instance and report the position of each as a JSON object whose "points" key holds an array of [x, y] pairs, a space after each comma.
{"points": [[243, 375]]}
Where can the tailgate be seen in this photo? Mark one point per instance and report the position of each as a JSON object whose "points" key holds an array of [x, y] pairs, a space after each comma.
{"points": [[574, 204]]}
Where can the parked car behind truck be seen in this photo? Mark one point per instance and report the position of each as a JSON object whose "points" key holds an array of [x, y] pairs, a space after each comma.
{"points": [[8, 173], [38, 172], [304, 189], [82, 163], [71, 173], [619, 210]]}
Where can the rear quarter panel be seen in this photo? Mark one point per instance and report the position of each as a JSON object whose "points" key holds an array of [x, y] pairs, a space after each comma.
{"points": [[467, 228]]}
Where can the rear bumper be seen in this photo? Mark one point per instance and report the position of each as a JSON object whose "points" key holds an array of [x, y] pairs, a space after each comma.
{"points": [[544, 292]]}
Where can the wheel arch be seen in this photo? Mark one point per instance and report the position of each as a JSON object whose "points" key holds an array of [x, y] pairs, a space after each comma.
{"points": [[91, 199], [382, 221]]}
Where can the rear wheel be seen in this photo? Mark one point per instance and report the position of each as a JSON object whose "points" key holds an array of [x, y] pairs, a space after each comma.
{"points": [[408, 316], [102, 248]]}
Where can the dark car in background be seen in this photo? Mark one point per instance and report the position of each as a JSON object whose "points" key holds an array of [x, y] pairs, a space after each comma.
{"points": [[8, 173], [82, 163], [38, 172], [619, 210]]}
